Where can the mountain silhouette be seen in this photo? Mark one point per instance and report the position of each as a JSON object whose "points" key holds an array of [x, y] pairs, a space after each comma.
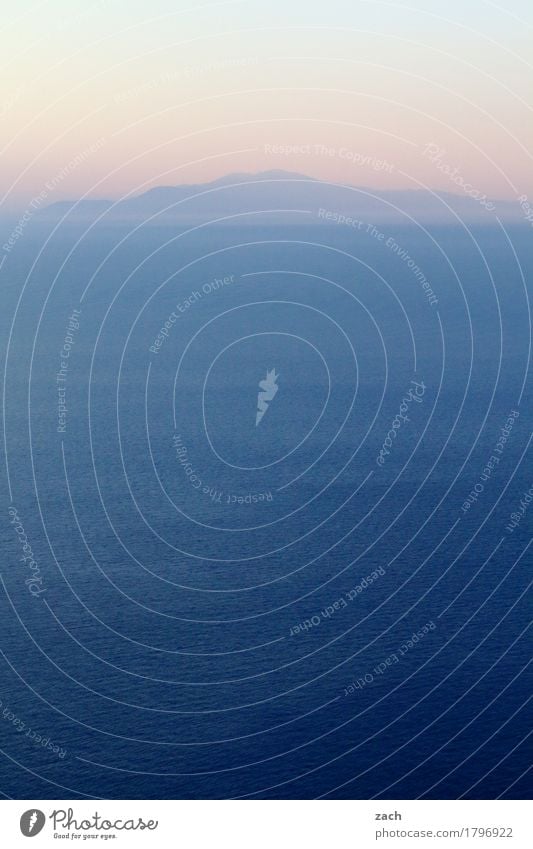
{"points": [[242, 197]]}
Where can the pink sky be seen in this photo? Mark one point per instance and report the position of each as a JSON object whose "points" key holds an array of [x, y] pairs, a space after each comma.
{"points": [[106, 101]]}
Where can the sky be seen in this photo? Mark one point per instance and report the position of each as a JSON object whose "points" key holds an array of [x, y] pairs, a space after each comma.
{"points": [[112, 97]]}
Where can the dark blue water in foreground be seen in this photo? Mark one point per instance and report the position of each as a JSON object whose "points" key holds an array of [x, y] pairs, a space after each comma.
{"points": [[218, 609]]}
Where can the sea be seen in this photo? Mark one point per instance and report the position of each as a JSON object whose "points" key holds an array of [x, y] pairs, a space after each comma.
{"points": [[266, 513]]}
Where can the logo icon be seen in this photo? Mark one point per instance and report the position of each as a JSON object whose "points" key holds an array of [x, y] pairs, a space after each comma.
{"points": [[32, 822], [269, 388]]}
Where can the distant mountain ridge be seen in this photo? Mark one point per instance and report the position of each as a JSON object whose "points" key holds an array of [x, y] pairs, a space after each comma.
{"points": [[276, 193]]}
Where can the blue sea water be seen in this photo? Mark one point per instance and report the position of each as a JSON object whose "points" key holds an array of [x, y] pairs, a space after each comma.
{"points": [[223, 609]]}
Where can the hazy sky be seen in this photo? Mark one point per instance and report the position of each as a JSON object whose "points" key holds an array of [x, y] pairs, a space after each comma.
{"points": [[125, 94]]}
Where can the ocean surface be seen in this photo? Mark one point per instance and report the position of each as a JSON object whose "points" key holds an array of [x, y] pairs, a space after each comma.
{"points": [[332, 602]]}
